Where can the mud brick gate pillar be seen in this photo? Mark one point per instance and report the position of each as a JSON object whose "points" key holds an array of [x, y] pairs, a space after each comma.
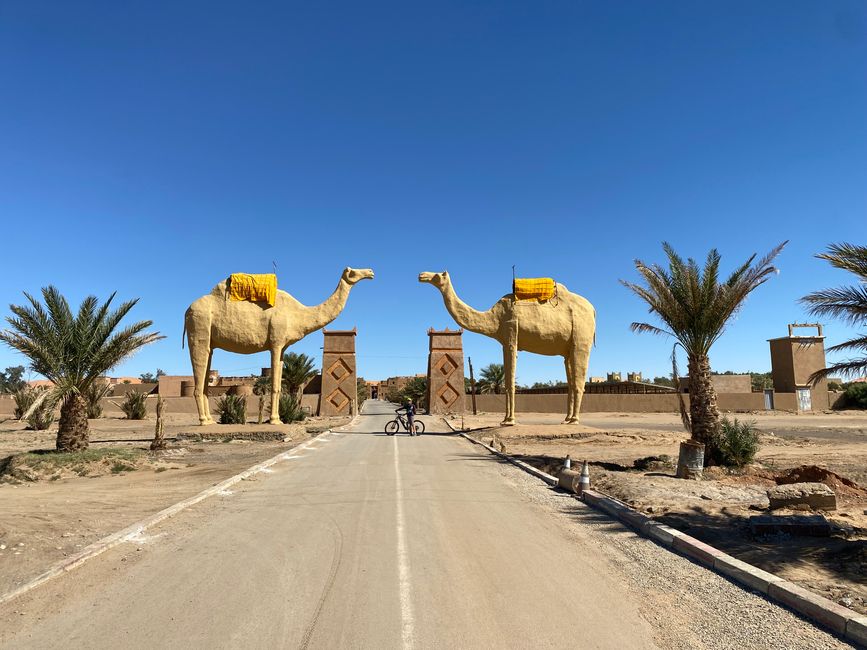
{"points": [[338, 373], [445, 372]]}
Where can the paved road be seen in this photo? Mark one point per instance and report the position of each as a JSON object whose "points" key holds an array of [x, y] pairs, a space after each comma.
{"points": [[369, 541]]}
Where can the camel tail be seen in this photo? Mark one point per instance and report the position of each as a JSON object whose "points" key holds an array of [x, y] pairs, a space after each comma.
{"points": [[184, 335]]}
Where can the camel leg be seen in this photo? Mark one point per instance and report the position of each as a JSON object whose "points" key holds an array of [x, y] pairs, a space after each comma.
{"points": [[570, 400], [200, 352], [205, 403], [580, 359], [276, 383]]}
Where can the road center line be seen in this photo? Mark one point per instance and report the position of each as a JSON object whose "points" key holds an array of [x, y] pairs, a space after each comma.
{"points": [[406, 614]]}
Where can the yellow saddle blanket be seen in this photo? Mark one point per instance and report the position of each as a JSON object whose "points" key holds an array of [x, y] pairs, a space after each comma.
{"points": [[535, 288], [260, 287]]}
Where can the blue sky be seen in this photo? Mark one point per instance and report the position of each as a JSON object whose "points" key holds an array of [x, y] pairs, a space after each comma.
{"points": [[154, 148]]}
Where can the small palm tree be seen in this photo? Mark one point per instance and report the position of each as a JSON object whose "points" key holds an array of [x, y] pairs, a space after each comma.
{"points": [[73, 350], [298, 369], [492, 379], [695, 307], [848, 303]]}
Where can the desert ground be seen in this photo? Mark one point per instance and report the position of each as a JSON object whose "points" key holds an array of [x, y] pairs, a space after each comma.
{"points": [[828, 447], [50, 509]]}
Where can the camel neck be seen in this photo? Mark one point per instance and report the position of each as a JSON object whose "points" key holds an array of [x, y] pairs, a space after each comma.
{"points": [[325, 312], [481, 322]]}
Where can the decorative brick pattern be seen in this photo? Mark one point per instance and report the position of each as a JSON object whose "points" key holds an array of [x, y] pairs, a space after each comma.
{"points": [[445, 372], [339, 372]]}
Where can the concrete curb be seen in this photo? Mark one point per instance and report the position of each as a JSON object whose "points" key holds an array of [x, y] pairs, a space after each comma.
{"points": [[845, 622], [115, 539]]}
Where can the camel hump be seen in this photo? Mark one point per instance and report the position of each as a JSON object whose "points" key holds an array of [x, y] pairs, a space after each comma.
{"points": [[220, 289]]}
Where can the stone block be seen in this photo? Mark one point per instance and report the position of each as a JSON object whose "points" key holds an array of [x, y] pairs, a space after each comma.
{"points": [[744, 573], [801, 525], [568, 480], [856, 630], [697, 550], [816, 495], [661, 533], [814, 606]]}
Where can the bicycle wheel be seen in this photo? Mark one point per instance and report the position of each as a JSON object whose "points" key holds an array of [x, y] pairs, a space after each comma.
{"points": [[392, 427], [419, 427]]}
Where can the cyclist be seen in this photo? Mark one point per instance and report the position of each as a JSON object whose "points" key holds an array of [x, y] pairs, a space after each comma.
{"points": [[409, 410]]}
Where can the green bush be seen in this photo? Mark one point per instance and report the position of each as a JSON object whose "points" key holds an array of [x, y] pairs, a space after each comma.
{"points": [[134, 405], [232, 409], [24, 398], [737, 443], [856, 395], [290, 409], [93, 395], [42, 416]]}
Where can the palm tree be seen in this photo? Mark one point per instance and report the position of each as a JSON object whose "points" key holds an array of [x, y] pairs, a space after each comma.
{"points": [[298, 369], [848, 303], [73, 351], [492, 379], [695, 307]]}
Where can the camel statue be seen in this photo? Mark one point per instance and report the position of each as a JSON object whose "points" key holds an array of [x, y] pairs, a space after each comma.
{"points": [[244, 327], [564, 325]]}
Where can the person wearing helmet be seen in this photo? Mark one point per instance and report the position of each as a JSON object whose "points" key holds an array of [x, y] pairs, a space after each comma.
{"points": [[409, 410]]}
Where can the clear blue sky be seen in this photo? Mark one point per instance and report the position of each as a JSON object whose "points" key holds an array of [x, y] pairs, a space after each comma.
{"points": [[154, 148]]}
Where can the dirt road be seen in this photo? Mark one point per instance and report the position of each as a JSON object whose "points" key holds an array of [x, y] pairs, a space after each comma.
{"points": [[369, 541]]}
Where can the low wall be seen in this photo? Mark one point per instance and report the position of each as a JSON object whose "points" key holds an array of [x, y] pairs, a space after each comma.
{"points": [[635, 403], [173, 405], [526, 403]]}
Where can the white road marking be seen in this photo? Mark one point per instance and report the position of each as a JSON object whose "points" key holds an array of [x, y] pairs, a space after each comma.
{"points": [[406, 614], [139, 537]]}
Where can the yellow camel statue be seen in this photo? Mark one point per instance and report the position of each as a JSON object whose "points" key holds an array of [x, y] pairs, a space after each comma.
{"points": [[213, 322], [564, 325]]}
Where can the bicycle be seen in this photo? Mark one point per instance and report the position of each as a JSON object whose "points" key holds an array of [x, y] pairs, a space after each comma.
{"points": [[400, 421]]}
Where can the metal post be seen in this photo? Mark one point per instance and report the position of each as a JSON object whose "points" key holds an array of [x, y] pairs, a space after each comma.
{"points": [[472, 385]]}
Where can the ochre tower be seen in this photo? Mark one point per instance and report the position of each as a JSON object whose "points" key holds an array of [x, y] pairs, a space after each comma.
{"points": [[445, 371], [339, 391]]}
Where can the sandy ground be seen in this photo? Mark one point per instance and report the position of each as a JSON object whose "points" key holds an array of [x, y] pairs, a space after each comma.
{"points": [[43, 521], [717, 509], [371, 541]]}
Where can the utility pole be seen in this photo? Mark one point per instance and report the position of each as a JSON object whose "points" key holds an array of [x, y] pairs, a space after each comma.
{"points": [[472, 384]]}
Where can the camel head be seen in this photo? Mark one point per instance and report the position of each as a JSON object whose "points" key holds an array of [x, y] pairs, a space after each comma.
{"points": [[439, 280], [351, 276]]}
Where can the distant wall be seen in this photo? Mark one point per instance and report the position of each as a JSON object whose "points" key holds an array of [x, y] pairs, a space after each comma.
{"points": [[173, 405], [532, 403], [723, 384], [634, 403]]}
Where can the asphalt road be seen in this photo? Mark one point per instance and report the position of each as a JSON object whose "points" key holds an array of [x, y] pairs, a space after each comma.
{"points": [[361, 541]]}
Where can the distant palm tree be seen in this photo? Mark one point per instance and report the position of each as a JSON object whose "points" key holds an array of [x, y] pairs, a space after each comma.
{"points": [[695, 308], [298, 369], [73, 351], [492, 379], [848, 303]]}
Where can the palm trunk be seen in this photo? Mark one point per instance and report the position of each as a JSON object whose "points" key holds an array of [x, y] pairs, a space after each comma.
{"points": [[702, 406], [73, 434], [159, 441]]}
